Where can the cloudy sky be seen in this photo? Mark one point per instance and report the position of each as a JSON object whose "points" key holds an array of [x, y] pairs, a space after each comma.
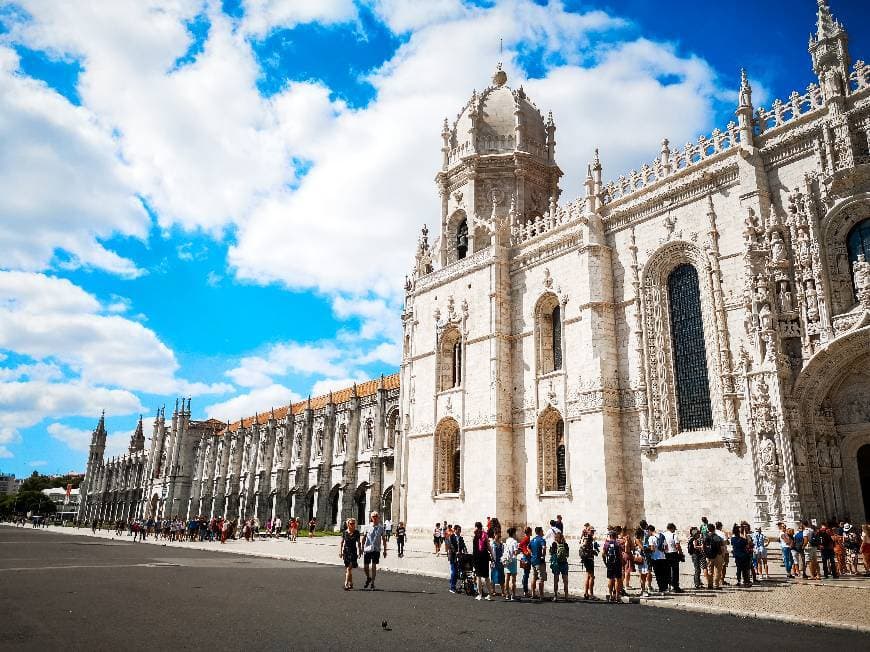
{"points": [[221, 199]]}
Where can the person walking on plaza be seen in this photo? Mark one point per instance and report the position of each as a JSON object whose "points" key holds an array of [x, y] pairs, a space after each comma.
{"points": [[455, 545], [588, 552], [349, 550], [612, 553], [713, 545], [388, 527], [400, 539], [538, 562], [509, 559], [437, 539], [375, 541], [674, 555], [559, 551], [480, 556]]}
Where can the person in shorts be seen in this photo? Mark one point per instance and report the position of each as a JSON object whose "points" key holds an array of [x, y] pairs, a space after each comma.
{"points": [[559, 551], [588, 551], [437, 539], [612, 553], [375, 540], [349, 551], [538, 562]]}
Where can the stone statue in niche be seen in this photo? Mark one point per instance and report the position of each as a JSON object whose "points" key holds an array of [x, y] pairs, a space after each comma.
{"points": [[766, 321], [812, 301], [767, 452], [800, 453], [777, 247]]}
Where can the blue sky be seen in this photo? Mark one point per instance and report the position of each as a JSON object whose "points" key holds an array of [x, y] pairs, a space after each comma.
{"points": [[220, 199]]}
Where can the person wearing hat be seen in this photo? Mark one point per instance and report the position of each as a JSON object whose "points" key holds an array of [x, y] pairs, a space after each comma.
{"points": [[588, 552]]}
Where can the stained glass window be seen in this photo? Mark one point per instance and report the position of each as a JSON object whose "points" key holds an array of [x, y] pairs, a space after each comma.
{"points": [[694, 411]]}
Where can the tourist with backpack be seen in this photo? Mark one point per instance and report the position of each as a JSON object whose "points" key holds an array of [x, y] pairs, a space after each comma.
{"points": [[826, 548], [509, 560], [674, 555], [713, 544], [496, 565], [612, 553], [811, 550], [742, 555], [538, 550], [588, 552], [655, 544], [559, 564]]}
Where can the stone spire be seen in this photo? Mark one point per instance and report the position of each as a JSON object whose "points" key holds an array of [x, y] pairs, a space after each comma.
{"points": [[745, 110], [829, 48], [137, 441]]}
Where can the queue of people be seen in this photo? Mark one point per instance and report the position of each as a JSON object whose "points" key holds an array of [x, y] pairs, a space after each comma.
{"points": [[487, 565]]}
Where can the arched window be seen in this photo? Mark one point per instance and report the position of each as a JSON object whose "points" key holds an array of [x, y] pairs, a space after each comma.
{"points": [[462, 240], [450, 359], [552, 463], [392, 429], [548, 334], [694, 411], [858, 244], [561, 471], [447, 458]]}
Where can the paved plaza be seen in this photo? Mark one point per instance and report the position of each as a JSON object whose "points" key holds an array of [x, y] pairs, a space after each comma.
{"points": [[62, 590]]}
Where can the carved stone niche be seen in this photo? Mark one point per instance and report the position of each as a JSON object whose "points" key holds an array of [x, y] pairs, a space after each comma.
{"points": [[835, 229]]}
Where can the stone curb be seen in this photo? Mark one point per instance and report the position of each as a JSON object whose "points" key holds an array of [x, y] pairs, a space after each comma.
{"points": [[708, 609]]}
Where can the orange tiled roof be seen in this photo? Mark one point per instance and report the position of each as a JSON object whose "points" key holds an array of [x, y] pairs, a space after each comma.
{"points": [[367, 388]]}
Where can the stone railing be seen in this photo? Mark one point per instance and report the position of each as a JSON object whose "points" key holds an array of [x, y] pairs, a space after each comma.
{"points": [[782, 113], [860, 77], [671, 162], [456, 154], [453, 270], [542, 224]]}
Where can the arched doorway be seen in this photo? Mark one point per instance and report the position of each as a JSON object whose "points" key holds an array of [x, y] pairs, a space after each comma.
{"points": [[334, 508], [387, 504], [864, 477], [359, 500]]}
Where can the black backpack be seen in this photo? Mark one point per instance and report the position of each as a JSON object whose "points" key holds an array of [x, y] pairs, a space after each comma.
{"points": [[712, 546], [815, 539], [611, 557]]}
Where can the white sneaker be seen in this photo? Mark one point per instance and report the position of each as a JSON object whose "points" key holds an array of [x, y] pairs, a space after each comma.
{"points": [[479, 597], [488, 597]]}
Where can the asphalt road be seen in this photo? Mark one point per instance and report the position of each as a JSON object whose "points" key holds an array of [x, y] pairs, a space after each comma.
{"points": [[76, 593]]}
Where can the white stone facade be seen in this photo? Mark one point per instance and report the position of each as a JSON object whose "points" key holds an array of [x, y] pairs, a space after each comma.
{"points": [[690, 339], [539, 372]]}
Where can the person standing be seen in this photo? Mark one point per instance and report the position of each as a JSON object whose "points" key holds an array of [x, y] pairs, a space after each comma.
{"points": [[388, 528], [349, 550], [713, 552], [641, 563], [525, 559], [375, 542], [811, 550], [509, 559], [725, 554], [695, 546], [612, 553], [480, 556], [742, 555], [759, 543], [400, 539], [455, 547], [674, 555], [538, 551], [588, 552], [655, 543], [436, 539], [559, 564], [826, 547], [496, 553]]}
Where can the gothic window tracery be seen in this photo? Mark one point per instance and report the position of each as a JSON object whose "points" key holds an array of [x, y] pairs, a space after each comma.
{"points": [[392, 429], [548, 334], [694, 411], [450, 361], [552, 451], [448, 465]]}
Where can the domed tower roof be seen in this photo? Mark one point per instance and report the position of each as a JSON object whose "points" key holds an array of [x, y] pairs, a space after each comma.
{"points": [[498, 120]]}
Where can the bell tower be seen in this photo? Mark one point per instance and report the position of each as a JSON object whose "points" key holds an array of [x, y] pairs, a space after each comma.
{"points": [[498, 162]]}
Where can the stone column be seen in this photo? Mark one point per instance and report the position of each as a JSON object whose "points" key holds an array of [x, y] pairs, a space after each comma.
{"points": [[350, 469]]}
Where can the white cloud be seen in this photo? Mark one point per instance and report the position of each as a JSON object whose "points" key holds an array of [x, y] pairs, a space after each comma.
{"points": [[262, 16], [259, 400], [281, 359], [62, 184], [51, 318], [37, 463], [79, 440]]}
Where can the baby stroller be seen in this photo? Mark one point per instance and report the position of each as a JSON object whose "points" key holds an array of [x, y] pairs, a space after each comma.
{"points": [[467, 581]]}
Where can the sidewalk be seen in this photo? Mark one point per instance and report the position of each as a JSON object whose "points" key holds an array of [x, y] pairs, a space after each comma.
{"points": [[842, 603]]}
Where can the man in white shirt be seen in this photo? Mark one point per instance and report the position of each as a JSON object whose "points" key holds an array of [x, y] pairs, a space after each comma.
{"points": [[374, 540], [673, 552], [388, 528]]}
